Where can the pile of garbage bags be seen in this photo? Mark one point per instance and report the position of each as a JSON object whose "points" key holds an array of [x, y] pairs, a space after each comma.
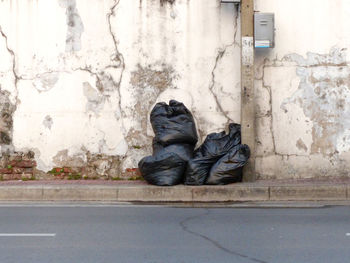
{"points": [[219, 160]]}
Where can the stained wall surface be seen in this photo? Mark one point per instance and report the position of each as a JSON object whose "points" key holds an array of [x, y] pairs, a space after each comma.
{"points": [[303, 91], [79, 78]]}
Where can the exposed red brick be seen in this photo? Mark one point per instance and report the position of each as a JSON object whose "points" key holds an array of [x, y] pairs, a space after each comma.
{"points": [[131, 170], [14, 162], [67, 170], [5, 171], [23, 164]]}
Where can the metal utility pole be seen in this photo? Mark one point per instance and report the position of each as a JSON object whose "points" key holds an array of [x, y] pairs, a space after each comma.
{"points": [[247, 85]]}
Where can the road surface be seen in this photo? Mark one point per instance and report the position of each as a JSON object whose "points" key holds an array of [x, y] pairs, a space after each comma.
{"points": [[150, 234]]}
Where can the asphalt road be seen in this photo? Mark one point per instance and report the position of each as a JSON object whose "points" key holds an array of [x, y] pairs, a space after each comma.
{"points": [[164, 234]]}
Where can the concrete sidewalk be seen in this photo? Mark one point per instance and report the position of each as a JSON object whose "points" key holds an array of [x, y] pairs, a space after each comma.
{"points": [[141, 192]]}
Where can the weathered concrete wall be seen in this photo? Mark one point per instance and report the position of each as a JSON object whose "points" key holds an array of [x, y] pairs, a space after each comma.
{"points": [[78, 78], [303, 91]]}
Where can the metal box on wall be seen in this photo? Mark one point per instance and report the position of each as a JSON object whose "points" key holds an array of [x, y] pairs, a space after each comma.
{"points": [[264, 30]]}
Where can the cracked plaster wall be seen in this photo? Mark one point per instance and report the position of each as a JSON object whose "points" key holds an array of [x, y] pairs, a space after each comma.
{"points": [[81, 76], [303, 91]]}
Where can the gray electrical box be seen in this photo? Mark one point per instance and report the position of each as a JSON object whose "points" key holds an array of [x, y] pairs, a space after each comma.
{"points": [[264, 30]]}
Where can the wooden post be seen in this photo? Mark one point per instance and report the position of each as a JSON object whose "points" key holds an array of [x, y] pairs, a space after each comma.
{"points": [[247, 85]]}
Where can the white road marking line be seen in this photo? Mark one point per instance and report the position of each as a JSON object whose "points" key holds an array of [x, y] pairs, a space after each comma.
{"points": [[27, 234]]}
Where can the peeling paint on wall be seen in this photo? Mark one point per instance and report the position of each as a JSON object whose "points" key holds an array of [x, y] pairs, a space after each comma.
{"points": [[48, 122], [63, 158], [148, 84], [90, 166], [301, 145], [75, 26], [322, 94], [94, 97], [46, 81], [6, 121], [88, 108]]}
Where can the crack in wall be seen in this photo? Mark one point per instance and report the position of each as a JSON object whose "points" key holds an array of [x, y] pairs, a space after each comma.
{"points": [[7, 108], [269, 113], [212, 84], [322, 95], [235, 25], [105, 82], [108, 83], [14, 64], [108, 79], [219, 56], [268, 88], [118, 57]]}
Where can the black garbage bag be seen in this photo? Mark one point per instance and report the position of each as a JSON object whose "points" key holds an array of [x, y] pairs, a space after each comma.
{"points": [[197, 170], [229, 168], [173, 124], [185, 151], [164, 169], [215, 146], [218, 144]]}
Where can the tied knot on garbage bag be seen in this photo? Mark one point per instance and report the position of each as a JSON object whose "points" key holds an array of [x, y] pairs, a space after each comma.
{"points": [[173, 123], [219, 160]]}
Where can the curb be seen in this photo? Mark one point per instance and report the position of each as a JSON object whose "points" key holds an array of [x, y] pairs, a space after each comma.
{"points": [[147, 193]]}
